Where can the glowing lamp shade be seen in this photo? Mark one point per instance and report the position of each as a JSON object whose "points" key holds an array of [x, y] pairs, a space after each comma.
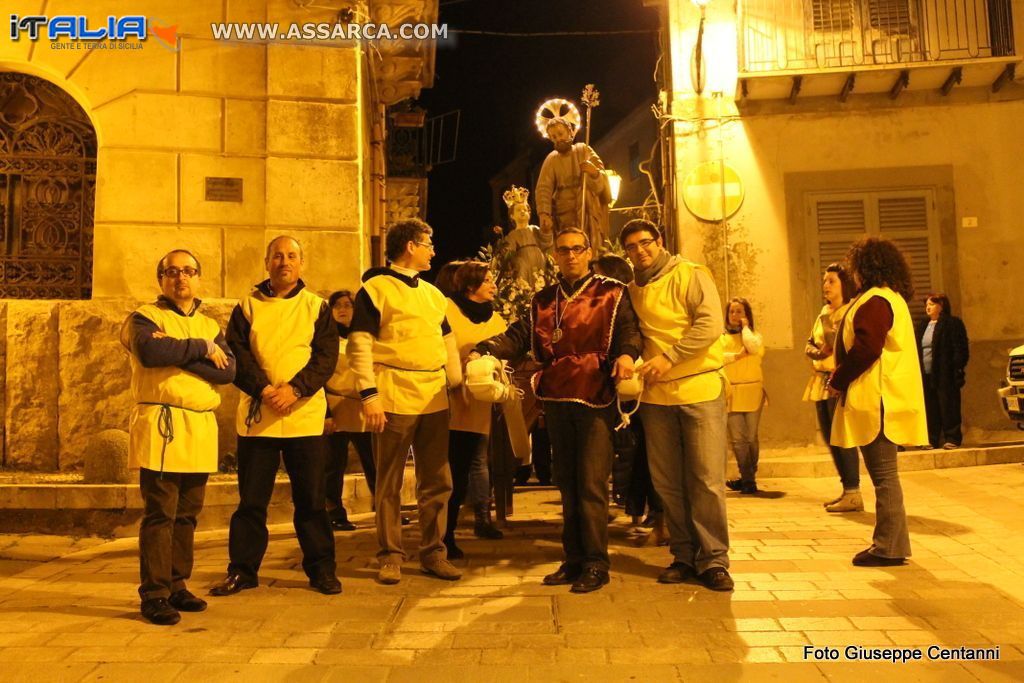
{"points": [[614, 182]]}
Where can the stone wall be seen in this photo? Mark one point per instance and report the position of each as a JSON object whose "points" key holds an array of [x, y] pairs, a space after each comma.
{"points": [[282, 117], [66, 378]]}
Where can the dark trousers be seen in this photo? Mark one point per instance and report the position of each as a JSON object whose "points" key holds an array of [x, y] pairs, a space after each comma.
{"points": [[540, 455], [632, 474], [258, 460], [463, 449], [581, 451], [172, 503], [337, 463], [942, 406], [846, 460]]}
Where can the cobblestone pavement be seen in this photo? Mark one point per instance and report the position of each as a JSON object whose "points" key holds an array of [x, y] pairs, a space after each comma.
{"points": [[70, 612]]}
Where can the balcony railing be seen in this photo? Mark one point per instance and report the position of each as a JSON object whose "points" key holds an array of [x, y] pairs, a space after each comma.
{"points": [[783, 35]]}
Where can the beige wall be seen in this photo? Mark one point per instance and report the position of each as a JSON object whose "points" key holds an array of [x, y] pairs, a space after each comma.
{"points": [[285, 118], [967, 146]]}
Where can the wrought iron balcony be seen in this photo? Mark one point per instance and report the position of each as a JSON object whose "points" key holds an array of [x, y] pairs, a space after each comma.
{"points": [[817, 35]]}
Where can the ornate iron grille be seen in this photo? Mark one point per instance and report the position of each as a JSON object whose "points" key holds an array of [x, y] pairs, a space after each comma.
{"points": [[47, 191]]}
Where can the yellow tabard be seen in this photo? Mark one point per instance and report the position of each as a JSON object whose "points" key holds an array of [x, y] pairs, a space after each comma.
{"points": [[409, 355], [468, 414], [280, 339], [191, 402], [892, 381], [746, 380], [815, 389], [663, 322], [343, 397]]}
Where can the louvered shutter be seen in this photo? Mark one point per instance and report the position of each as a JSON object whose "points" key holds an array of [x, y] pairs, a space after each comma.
{"points": [[903, 218]]}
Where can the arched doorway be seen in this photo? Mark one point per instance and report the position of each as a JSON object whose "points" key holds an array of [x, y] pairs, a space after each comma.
{"points": [[47, 191]]}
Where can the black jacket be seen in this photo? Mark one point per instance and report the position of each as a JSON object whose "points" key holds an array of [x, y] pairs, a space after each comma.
{"points": [[949, 350]]}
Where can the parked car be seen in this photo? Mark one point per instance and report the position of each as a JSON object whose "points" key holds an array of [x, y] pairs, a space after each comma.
{"points": [[1011, 394]]}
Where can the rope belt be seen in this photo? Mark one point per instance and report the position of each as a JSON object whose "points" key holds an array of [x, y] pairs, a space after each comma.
{"points": [[165, 425], [255, 414]]}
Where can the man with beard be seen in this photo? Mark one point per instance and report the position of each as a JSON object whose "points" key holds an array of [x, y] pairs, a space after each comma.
{"points": [[286, 344], [562, 175]]}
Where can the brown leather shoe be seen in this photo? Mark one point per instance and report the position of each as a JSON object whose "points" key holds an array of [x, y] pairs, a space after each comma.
{"points": [[717, 579], [563, 576], [590, 580]]}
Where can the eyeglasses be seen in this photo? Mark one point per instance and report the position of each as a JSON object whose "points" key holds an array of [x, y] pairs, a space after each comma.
{"points": [[575, 251], [637, 246], [174, 272], [428, 245]]}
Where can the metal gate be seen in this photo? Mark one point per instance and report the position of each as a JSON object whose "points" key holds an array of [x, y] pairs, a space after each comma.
{"points": [[47, 191]]}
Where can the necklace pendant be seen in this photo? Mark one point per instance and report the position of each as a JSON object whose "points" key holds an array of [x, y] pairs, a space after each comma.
{"points": [[556, 336]]}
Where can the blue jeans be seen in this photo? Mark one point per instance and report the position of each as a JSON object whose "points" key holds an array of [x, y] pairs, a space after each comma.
{"points": [[744, 441], [686, 450], [891, 537]]}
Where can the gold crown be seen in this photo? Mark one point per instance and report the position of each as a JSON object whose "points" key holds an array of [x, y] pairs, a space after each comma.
{"points": [[516, 195]]}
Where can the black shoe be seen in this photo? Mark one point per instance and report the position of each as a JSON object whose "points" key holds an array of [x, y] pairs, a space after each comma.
{"points": [[234, 583], [328, 584], [677, 572], [734, 484], [406, 521], [185, 601], [717, 579], [342, 524], [564, 575], [865, 558], [590, 580], [454, 551], [748, 487], [160, 612]]}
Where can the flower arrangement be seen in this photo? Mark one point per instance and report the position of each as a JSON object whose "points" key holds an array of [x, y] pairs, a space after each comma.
{"points": [[514, 295]]}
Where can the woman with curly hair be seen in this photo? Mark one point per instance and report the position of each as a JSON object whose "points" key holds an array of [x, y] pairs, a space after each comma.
{"points": [[942, 343], [878, 383]]}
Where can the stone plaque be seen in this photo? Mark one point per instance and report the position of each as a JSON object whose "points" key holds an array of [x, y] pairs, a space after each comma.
{"points": [[223, 189]]}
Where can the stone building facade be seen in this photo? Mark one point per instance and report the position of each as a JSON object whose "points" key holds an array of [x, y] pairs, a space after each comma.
{"points": [[200, 143], [872, 125]]}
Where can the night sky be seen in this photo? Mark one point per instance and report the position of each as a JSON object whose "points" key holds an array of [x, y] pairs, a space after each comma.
{"points": [[498, 82]]}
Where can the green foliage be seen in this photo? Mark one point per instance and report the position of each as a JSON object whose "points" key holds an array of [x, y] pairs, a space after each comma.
{"points": [[512, 301]]}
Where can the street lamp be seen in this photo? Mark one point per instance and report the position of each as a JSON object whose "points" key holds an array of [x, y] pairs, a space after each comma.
{"points": [[614, 183]]}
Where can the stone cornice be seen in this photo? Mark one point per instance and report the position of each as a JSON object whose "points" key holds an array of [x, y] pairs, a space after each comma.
{"points": [[403, 68]]}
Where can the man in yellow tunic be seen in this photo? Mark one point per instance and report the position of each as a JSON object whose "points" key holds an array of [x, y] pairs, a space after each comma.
{"points": [[177, 356], [683, 404], [287, 347], [405, 358]]}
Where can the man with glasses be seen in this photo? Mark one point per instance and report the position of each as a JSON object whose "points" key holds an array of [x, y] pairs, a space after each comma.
{"points": [[177, 356], [683, 403], [287, 347], [583, 332], [405, 359]]}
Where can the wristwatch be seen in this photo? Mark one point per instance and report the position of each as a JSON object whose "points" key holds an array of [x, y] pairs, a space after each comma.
{"points": [[295, 390]]}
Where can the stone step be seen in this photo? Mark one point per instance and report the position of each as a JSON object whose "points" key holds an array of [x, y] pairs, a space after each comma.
{"points": [[783, 463]]}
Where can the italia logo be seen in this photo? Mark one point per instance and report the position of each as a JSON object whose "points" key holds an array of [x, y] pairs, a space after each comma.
{"points": [[78, 27]]}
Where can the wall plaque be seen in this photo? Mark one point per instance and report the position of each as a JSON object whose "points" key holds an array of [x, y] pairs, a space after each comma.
{"points": [[223, 189]]}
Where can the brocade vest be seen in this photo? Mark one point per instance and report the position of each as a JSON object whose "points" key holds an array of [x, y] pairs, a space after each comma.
{"points": [[575, 366]]}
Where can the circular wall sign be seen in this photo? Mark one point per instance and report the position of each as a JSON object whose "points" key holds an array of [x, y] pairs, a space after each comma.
{"points": [[702, 191]]}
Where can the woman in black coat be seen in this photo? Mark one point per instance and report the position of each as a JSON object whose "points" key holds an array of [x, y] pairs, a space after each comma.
{"points": [[942, 345]]}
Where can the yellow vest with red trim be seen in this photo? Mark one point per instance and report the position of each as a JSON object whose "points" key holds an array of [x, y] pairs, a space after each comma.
{"points": [[892, 381]]}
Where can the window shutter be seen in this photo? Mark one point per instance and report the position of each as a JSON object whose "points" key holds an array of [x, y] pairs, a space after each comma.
{"points": [[890, 16], [832, 15], [903, 218]]}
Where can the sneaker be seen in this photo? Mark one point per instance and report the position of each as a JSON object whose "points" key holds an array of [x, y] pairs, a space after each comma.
{"points": [[717, 579], [677, 572], [160, 612], [851, 501], [865, 558], [734, 484], [834, 500], [390, 572], [441, 568]]}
